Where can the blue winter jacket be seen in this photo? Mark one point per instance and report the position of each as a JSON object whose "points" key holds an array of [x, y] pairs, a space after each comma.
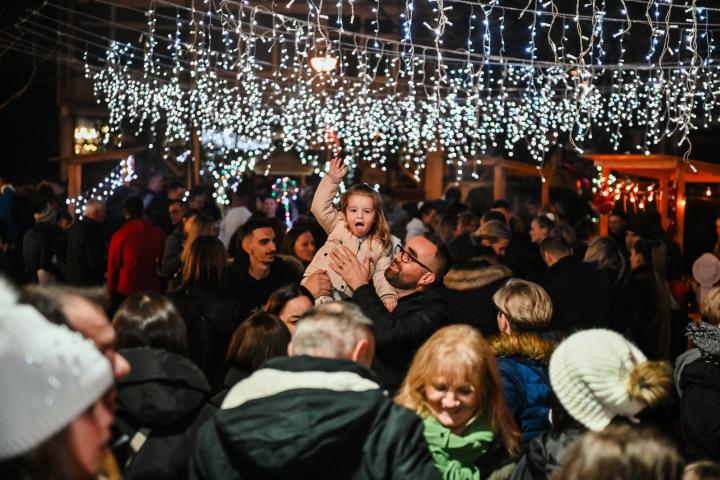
{"points": [[522, 362]]}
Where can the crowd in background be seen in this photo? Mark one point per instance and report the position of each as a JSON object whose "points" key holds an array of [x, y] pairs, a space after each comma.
{"points": [[160, 336]]}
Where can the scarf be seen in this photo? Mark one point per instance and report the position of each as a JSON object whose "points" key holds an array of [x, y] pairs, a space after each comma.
{"points": [[455, 455]]}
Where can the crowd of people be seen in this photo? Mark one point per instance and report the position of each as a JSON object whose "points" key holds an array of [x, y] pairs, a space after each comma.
{"points": [[160, 337]]}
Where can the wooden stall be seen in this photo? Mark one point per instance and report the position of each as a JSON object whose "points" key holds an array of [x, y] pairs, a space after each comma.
{"points": [[503, 168], [74, 164], [664, 169]]}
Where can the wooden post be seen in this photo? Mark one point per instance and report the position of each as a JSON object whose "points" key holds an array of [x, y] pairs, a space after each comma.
{"points": [[196, 154], [545, 191], [499, 182], [74, 180], [664, 202], [434, 173], [680, 209], [604, 226]]}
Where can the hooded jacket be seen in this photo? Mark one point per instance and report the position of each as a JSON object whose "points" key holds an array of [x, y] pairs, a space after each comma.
{"points": [[522, 361], [398, 334], [133, 256], [470, 289], [168, 395], [311, 418]]}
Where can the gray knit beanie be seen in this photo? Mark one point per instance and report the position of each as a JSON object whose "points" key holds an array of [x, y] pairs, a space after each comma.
{"points": [[49, 376]]}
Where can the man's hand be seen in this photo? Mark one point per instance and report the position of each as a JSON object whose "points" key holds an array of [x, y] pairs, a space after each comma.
{"points": [[337, 169], [345, 264], [318, 283]]}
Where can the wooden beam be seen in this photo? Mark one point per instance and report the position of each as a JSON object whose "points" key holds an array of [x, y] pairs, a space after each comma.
{"points": [[499, 182], [434, 173], [74, 180], [664, 200], [196, 153], [680, 208], [99, 157], [545, 191]]}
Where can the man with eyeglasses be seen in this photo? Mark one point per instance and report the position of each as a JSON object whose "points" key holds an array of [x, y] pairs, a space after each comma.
{"points": [[416, 273]]}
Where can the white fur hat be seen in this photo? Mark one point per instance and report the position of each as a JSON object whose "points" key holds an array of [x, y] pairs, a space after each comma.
{"points": [[590, 374], [49, 376]]}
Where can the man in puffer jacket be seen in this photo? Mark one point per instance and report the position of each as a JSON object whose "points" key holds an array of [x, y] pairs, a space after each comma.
{"points": [[319, 413]]}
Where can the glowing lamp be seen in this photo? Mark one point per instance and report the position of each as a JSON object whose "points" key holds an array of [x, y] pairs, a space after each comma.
{"points": [[323, 64]]}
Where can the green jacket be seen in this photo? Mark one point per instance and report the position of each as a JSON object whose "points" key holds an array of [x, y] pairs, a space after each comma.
{"points": [[311, 418]]}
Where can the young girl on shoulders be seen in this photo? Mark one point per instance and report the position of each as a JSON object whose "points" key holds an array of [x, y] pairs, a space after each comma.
{"points": [[359, 225]]}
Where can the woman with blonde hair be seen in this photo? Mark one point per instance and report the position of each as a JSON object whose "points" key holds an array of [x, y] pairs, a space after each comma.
{"points": [[523, 351], [454, 385], [495, 235]]}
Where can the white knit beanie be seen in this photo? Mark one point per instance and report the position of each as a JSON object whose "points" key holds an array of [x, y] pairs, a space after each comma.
{"points": [[49, 376], [590, 373]]}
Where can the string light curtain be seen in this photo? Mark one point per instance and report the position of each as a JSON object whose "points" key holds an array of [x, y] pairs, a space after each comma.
{"points": [[585, 66]]}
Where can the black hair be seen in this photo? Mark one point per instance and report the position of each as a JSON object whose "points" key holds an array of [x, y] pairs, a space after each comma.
{"points": [[493, 215], [280, 297], [545, 222], [556, 246], [148, 319], [259, 338], [133, 207], [288, 244], [585, 228], [500, 204], [442, 256], [426, 208], [253, 224]]}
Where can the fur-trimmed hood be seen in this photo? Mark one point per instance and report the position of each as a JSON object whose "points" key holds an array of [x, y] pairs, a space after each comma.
{"points": [[532, 346], [475, 274]]}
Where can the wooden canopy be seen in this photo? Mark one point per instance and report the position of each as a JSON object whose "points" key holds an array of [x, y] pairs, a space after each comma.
{"points": [[75, 163], [502, 168], [664, 169]]}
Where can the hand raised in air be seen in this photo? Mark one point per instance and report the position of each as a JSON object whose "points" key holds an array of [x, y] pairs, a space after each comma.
{"points": [[337, 169]]}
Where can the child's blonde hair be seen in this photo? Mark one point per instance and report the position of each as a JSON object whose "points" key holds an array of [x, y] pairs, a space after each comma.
{"points": [[465, 349], [380, 230]]}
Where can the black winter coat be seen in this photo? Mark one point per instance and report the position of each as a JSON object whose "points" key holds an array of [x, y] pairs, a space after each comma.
{"points": [[649, 314], [254, 293], [233, 376], [284, 422], [700, 409], [85, 261], [470, 289], [171, 263], [41, 250], [582, 296], [168, 395], [398, 334], [211, 316], [545, 455]]}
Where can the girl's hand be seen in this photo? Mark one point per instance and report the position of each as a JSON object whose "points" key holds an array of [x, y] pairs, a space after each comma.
{"points": [[390, 304], [337, 169]]}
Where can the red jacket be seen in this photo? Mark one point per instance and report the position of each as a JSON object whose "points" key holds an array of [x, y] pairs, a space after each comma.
{"points": [[132, 259]]}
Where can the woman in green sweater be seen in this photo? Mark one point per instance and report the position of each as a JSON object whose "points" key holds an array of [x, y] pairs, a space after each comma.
{"points": [[454, 385]]}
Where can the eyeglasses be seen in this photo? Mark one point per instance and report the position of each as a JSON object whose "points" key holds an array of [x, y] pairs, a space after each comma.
{"points": [[407, 257]]}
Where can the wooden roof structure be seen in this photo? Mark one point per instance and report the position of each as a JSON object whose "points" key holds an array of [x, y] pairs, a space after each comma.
{"points": [[664, 169], [503, 168], [75, 163]]}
